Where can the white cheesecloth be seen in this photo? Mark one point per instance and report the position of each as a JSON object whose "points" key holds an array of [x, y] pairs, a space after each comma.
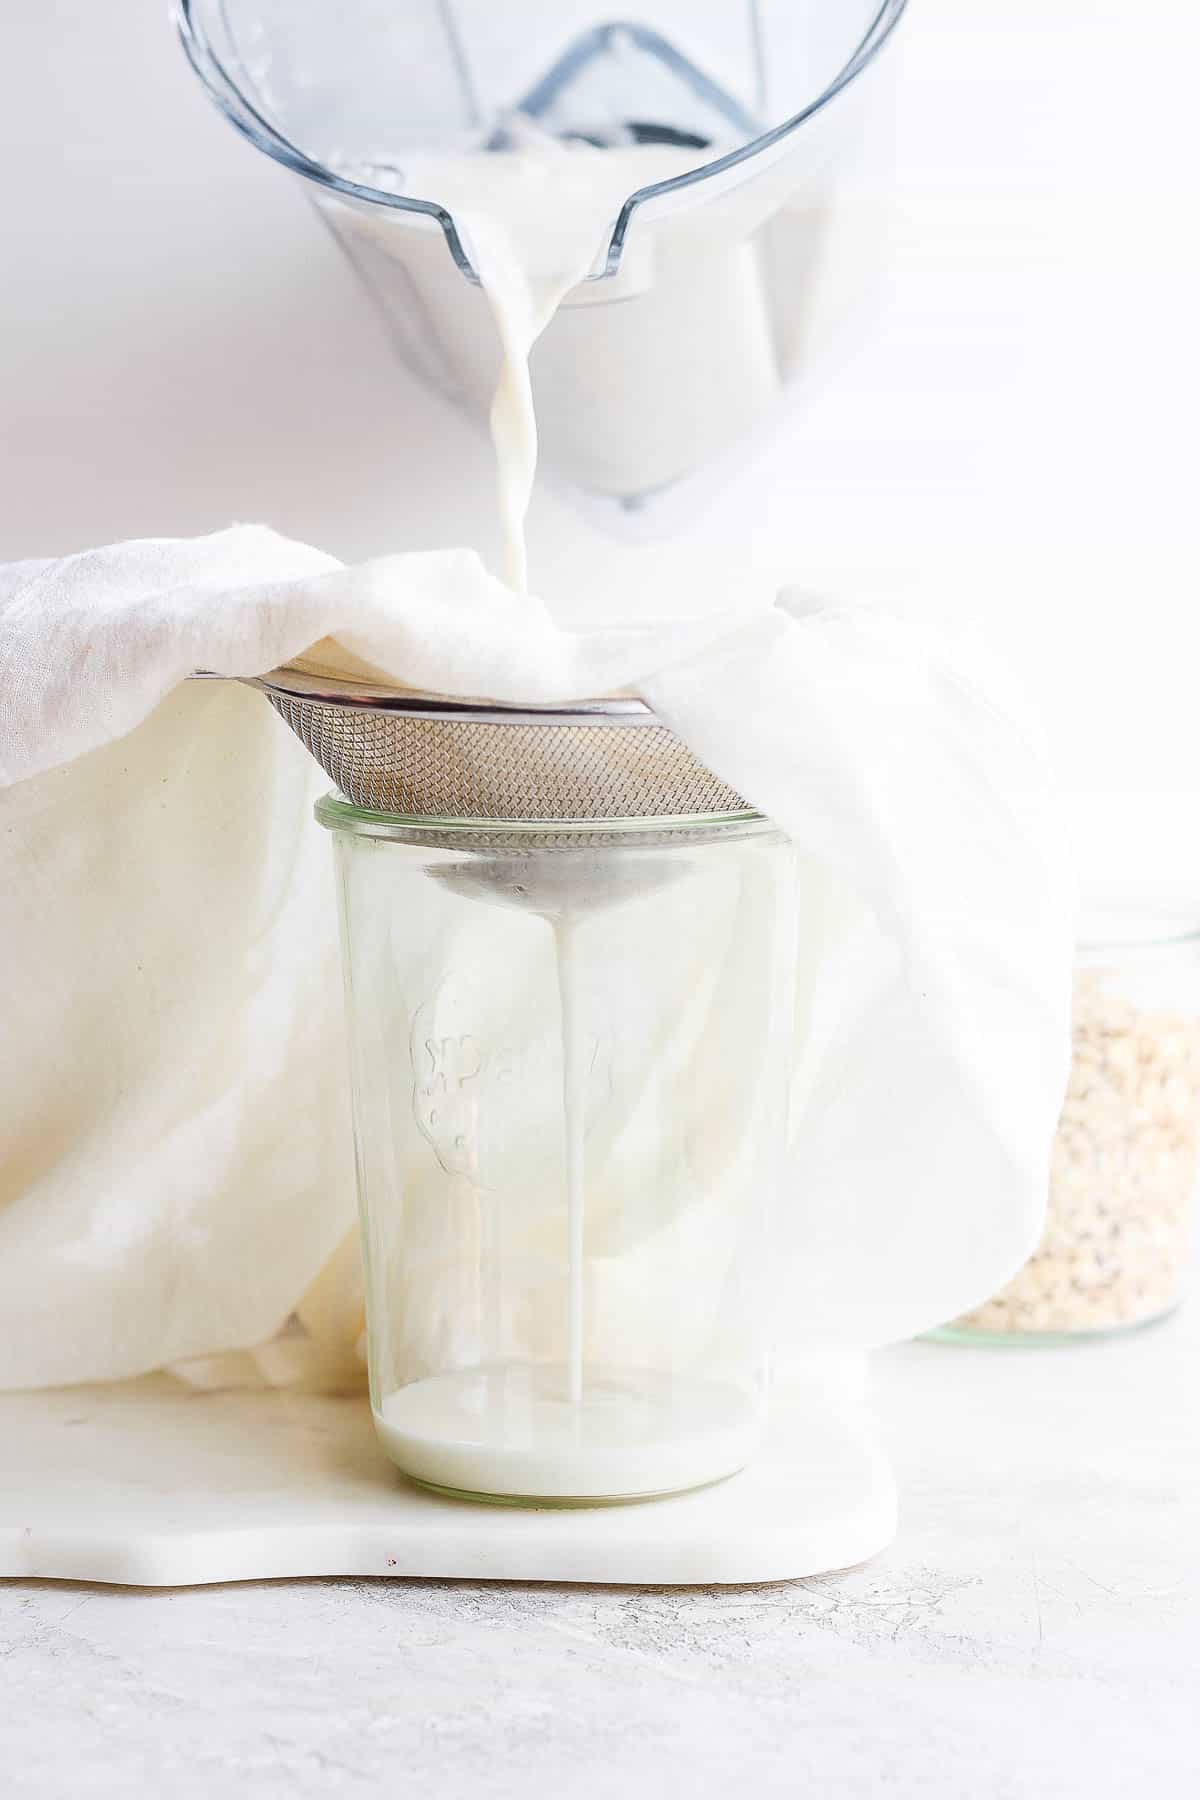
{"points": [[175, 1171]]}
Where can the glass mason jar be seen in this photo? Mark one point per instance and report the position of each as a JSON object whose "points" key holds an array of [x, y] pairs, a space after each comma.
{"points": [[570, 1050], [1119, 1226]]}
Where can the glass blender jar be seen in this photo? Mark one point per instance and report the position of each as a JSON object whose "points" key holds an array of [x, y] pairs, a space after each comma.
{"points": [[741, 241], [570, 1054]]}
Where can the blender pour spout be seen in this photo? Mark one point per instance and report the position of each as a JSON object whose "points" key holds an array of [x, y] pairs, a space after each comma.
{"points": [[306, 120], [723, 246]]}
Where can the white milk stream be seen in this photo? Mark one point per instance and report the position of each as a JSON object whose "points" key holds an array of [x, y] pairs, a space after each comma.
{"points": [[536, 220]]}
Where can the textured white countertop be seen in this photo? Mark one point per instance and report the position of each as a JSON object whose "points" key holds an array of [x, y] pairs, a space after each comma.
{"points": [[1032, 1635]]}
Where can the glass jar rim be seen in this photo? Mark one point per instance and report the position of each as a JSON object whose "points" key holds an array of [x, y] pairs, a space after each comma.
{"points": [[338, 814], [1128, 927]]}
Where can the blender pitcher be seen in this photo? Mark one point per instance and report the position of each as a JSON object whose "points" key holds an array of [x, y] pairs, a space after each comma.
{"points": [[745, 154]]}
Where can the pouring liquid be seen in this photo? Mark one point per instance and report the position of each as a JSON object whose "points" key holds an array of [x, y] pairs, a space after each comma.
{"points": [[569, 1431], [574, 1100], [536, 220]]}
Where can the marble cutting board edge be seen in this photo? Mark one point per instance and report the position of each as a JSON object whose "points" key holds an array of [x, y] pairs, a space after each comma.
{"points": [[152, 1484]]}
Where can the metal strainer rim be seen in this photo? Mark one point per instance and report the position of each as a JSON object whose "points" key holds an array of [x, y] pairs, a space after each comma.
{"points": [[409, 754], [357, 695]]}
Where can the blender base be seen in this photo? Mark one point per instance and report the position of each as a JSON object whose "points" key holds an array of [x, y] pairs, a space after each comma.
{"points": [[152, 1484]]}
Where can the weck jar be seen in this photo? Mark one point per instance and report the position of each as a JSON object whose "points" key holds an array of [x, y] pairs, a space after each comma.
{"points": [[570, 1053], [1119, 1229]]}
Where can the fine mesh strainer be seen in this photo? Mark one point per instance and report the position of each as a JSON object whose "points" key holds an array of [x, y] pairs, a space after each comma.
{"points": [[422, 756]]}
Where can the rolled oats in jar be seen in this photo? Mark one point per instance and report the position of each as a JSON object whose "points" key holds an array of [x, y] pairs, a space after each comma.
{"points": [[1119, 1224]]}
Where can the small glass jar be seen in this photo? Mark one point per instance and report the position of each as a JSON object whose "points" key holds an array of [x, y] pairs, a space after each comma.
{"points": [[1119, 1226], [570, 1050]]}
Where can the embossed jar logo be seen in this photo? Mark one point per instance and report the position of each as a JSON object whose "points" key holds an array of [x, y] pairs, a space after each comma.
{"points": [[487, 1090]]}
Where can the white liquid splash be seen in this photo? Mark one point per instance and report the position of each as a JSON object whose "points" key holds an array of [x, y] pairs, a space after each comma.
{"points": [[536, 222]]}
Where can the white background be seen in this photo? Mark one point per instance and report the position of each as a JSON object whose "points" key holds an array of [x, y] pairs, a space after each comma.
{"points": [[180, 345]]}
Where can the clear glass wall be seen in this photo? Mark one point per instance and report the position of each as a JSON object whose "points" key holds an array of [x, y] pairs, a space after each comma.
{"points": [[570, 1056]]}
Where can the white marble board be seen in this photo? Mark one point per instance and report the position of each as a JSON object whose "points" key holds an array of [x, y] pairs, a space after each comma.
{"points": [[150, 1483]]}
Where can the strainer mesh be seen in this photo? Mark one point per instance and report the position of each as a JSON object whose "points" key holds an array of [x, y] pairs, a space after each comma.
{"points": [[464, 768]]}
